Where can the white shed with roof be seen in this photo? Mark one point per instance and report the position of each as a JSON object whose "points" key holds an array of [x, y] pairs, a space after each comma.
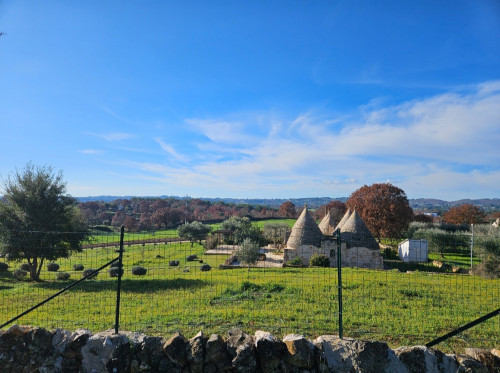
{"points": [[413, 250]]}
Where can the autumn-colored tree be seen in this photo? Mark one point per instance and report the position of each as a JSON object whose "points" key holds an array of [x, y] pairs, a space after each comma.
{"points": [[337, 210], [145, 221], [287, 210], [118, 219], [383, 207], [464, 214], [167, 216], [130, 223]]}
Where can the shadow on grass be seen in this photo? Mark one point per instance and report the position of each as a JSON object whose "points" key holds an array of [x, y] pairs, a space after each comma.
{"points": [[404, 266], [128, 286]]}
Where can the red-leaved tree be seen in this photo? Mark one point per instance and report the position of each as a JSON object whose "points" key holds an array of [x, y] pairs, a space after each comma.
{"points": [[383, 207], [464, 214]]}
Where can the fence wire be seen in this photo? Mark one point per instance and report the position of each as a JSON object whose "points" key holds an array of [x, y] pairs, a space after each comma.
{"points": [[172, 285]]}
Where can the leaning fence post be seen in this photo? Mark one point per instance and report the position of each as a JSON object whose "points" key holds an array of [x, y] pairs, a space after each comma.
{"points": [[120, 273], [339, 272]]}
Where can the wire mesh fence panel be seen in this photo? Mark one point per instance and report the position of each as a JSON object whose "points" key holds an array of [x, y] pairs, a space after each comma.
{"points": [[169, 284]]}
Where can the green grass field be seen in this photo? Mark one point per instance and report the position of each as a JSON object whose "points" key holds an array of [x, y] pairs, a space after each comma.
{"points": [[397, 307]]}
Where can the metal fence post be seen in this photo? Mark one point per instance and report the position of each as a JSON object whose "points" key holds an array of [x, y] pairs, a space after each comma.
{"points": [[339, 271], [120, 273]]}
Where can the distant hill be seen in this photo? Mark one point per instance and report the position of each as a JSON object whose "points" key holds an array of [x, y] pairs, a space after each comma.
{"points": [[423, 204]]}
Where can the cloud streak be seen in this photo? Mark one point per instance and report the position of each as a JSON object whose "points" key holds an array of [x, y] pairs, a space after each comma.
{"points": [[444, 146]]}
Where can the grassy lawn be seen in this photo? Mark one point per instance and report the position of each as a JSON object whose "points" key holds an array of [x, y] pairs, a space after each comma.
{"points": [[397, 307]]}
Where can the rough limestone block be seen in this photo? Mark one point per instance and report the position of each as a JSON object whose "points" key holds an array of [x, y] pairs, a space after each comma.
{"points": [[300, 351], [270, 351]]}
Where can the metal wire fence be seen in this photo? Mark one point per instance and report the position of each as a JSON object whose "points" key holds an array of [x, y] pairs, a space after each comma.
{"points": [[172, 285]]}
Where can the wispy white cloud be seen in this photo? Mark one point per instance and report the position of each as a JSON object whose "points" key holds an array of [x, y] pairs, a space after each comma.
{"points": [[91, 151], [170, 150], [444, 146], [112, 136]]}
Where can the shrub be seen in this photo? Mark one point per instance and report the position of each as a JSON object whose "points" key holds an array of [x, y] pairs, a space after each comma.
{"points": [[52, 267], [296, 261], [489, 268], [102, 228], [3, 266], [320, 260], [78, 267], [139, 271], [24, 267], [62, 276], [390, 254], [115, 271], [20, 274], [205, 268], [88, 272]]}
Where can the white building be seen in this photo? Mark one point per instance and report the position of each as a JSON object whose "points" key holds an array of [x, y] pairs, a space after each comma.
{"points": [[413, 250]]}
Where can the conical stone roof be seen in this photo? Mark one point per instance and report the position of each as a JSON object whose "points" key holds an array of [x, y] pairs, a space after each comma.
{"points": [[327, 224], [343, 220], [305, 231], [356, 234]]}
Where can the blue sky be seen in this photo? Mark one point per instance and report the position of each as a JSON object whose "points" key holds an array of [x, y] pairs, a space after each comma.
{"points": [[274, 99]]}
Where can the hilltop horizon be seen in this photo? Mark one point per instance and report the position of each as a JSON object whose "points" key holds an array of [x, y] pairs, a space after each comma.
{"points": [[313, 202]]}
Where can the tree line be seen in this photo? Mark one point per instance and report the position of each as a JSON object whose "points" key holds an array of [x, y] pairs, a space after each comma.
{"points": [[40, 222]]}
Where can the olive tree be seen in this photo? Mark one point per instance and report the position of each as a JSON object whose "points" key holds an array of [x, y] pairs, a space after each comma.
{"points": [[38, 220], [241, 228], [194, 231], [275, 232], [248, 253]]}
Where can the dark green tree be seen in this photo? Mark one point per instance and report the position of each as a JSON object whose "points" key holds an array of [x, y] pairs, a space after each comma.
{"points": [[38, 220], [194, 231]]}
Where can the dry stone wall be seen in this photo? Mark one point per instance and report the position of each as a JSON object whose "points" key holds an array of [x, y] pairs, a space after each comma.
{"points": [[26, 349]]}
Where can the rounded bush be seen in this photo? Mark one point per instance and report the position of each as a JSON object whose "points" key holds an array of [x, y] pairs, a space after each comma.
{"points": [[295, 262], [320, 260], [139, 271], [20, 274], [88, 272], [191, 258], [173, 263], [24, 267], [205, 268], [62, 276], [3, 266], [114, 271], [52, 267], [78, 267]]}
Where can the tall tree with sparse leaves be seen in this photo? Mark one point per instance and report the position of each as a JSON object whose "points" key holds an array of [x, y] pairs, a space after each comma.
{"points": [[384, 208], [38, 220]]}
